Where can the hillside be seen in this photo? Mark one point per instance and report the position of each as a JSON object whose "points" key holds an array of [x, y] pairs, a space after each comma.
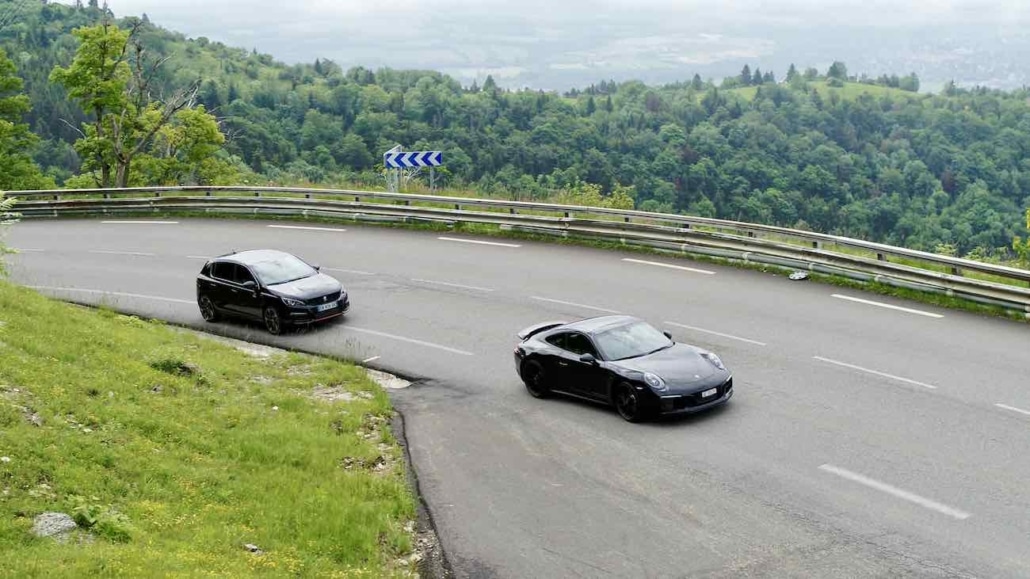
{"points": [[929, 171]]}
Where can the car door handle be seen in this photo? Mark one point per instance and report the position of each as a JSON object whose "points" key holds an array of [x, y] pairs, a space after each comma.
{"points": [[563, 363]]}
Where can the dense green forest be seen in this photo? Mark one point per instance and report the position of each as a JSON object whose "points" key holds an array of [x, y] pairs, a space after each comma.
{"points": [[866, 157]]}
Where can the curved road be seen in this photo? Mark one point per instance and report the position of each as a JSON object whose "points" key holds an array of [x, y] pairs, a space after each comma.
{"points": [[868, 437]]}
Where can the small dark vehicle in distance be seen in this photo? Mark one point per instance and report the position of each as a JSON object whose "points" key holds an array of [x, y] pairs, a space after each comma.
{"points": [[271, 286], [622, 361]]}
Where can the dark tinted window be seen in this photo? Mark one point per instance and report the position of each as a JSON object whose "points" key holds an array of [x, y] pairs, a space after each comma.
{"points": [[579, 344], [222, 270], [557, 340], [241, 275]]}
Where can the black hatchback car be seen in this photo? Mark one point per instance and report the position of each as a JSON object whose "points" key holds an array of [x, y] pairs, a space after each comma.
{"points": [[270, 286], [622, 361]]}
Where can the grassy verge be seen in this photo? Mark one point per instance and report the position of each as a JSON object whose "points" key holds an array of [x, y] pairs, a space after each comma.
{"points": [[173, 452]]}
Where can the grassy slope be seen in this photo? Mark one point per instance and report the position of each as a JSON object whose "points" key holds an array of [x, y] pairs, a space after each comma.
{"points": [[850, 91], [196, 469]]}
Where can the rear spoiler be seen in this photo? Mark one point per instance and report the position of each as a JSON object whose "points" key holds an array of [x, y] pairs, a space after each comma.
{"points": [[536, 329]]}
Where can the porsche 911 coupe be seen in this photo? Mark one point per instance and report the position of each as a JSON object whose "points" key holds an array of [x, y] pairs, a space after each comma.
{"points": [[622, 361]]}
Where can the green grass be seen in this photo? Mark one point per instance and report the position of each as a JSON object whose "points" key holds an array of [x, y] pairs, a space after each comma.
{"points": [[179, 450], [850, 91]]}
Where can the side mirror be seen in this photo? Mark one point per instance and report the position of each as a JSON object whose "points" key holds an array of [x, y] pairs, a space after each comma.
{"points": [[588, 359], [317, 267], [667, 335], [250, 284]]}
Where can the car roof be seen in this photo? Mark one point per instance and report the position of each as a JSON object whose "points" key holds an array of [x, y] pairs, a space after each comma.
{"points": [[252, 256], [599, 324]]}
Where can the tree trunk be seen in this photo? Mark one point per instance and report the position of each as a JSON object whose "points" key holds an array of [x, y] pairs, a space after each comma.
{"points": [[122, 177]]}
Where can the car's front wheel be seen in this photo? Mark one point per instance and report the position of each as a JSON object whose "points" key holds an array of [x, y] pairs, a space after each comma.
{"points": [[535, 378], [207, 309], [628, 403], [273, 322]]}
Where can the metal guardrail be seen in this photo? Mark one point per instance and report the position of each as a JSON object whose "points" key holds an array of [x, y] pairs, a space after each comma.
{"points": [[1009, 288]]}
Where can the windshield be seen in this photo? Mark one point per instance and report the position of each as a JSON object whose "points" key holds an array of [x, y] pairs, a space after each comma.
{"points": [[281, 270], [631, 340]]}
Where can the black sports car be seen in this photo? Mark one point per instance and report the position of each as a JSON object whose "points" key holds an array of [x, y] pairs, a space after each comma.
{"points": [[271, 286], [622, 361]]}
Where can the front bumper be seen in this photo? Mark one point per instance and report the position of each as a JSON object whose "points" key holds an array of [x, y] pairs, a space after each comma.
{"points": [[691, 403], [309, 314]]}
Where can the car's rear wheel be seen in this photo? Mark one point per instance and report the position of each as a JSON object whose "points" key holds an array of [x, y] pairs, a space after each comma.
{"points": [[207, 309], [628, 403], [535, 378], [273, 323]]}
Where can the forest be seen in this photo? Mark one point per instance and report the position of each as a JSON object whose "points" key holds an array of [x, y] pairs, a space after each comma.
{"points": [[863, 156]]}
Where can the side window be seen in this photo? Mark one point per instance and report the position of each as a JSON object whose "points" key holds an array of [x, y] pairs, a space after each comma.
{"points": [[221, 270], [242, 274], [557, 340], [580, 344]]}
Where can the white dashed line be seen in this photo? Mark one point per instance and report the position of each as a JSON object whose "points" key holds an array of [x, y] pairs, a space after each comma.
{"points": [[24, 250], [306, 228], [888, 306], [477, 242], [574, 304], [716, 333], [107, 293], [874, 372], [205, 258], [140, 222], [354, 271], [372, 359], [411, 341], [670, 266], [1013, 409], [894, 491], [131, 253], [455, 285]]}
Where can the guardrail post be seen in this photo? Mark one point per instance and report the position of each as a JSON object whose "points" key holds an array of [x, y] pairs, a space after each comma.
{"points": [[750, 233], [257, 194], [307, 195], [881, 257], [956, 271], [357, 199], [568, 214], [817, 245], [625, 219], [157, 193], [107, 195], [457, 206], [207, 193], [511, 210]]}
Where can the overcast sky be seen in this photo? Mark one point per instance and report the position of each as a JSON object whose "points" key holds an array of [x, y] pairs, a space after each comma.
{"points": [[565, 43]]}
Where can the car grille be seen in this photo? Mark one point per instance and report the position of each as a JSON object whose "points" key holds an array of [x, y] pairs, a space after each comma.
{"points": [[324, 299]]}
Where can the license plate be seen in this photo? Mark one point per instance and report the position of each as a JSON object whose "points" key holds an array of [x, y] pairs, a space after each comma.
{"points": [[327, 306], [709, 393]]}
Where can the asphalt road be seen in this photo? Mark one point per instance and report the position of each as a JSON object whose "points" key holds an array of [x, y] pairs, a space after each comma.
{"points": [[864, 440]]}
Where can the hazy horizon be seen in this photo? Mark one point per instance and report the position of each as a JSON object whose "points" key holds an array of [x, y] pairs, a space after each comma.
{"points": [[539, 44]]}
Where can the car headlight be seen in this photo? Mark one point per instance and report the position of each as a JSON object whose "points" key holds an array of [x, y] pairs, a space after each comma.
{"points": [[655, 382], [714, 359], [292, 302]]}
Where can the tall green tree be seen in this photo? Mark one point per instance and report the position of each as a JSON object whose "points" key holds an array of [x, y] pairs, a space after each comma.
{"points": [[112, 80], [17, 169]]}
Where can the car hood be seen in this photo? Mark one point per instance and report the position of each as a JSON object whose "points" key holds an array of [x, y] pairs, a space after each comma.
{"points": [[308, 287], [680, 365]]}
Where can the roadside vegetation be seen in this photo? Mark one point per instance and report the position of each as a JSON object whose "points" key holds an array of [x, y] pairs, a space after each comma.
{"points": [[181, 456]]}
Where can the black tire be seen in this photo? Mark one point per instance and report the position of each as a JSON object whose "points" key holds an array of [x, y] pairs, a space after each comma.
{"points": [[535, 379], [207, 309], [273, 321], [628, 403]]}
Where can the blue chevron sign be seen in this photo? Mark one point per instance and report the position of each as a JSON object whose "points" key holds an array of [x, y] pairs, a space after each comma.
{"points": [[403, 160]]}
